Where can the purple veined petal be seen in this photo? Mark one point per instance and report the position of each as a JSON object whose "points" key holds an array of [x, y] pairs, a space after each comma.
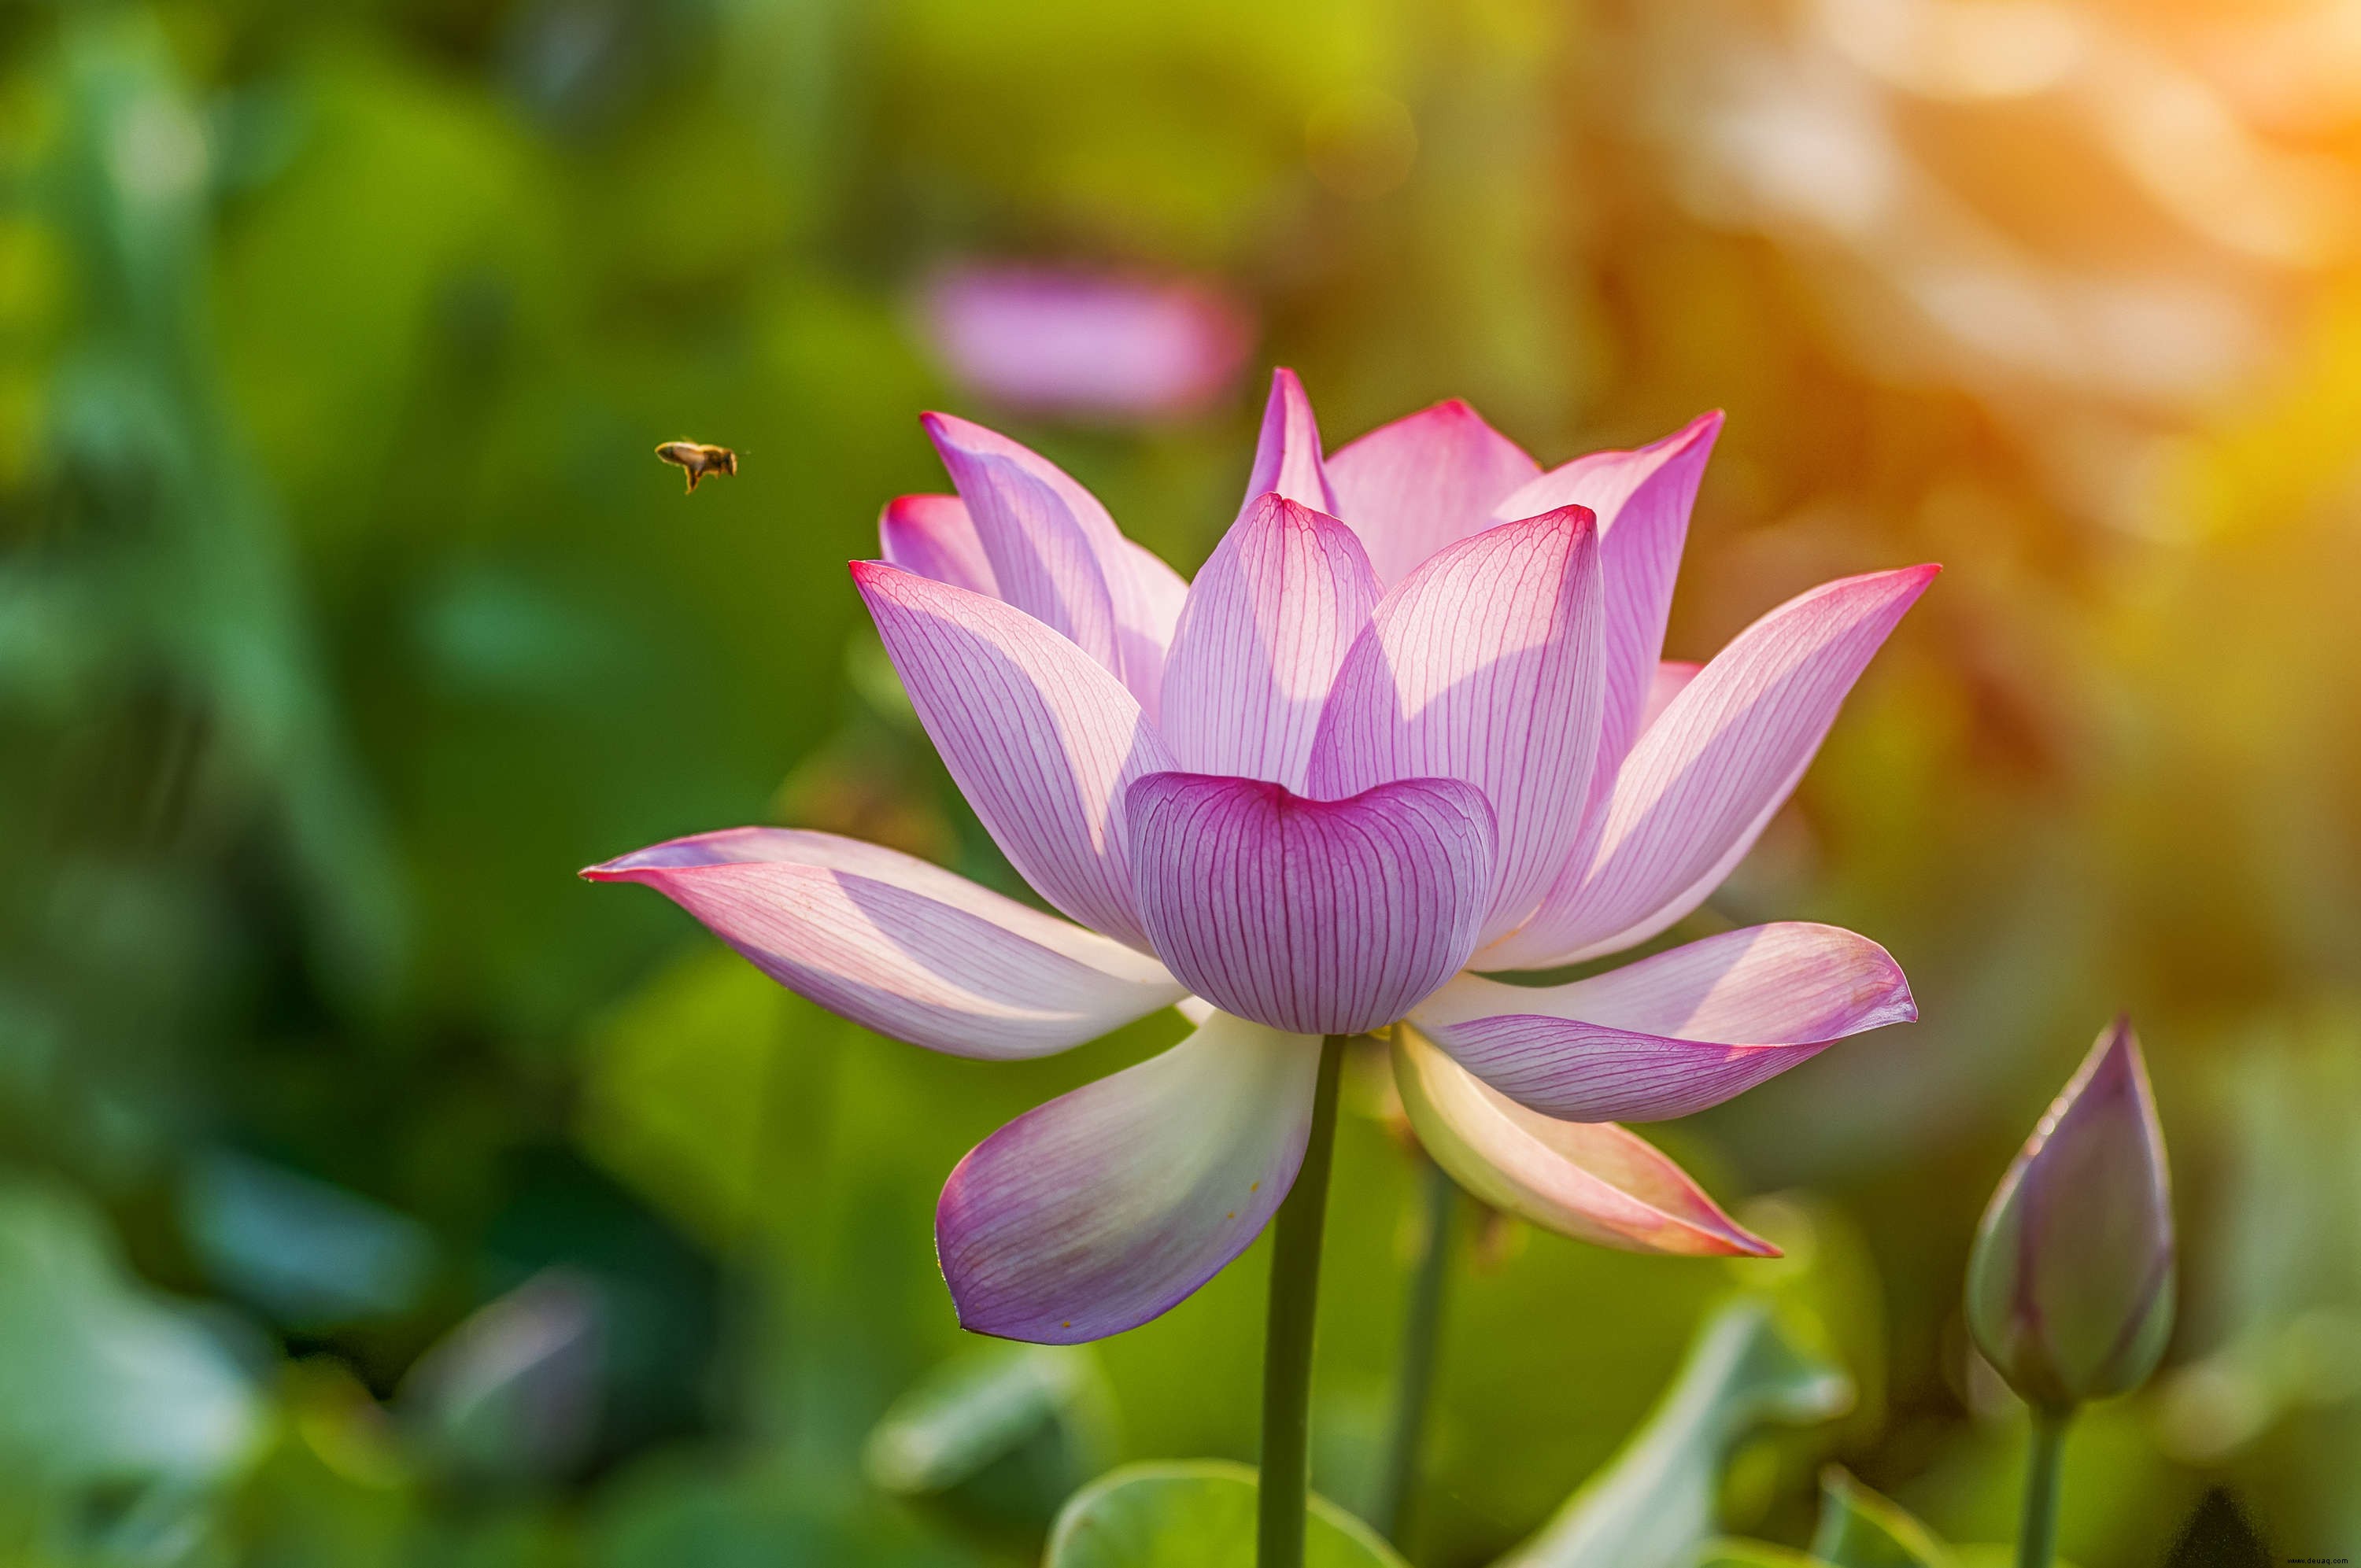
{"points": [[1314, 916], [1642, 499], [1592, 1180], [1410, 487], [1707, 776], [1265, 625], [899, 946], [1086, 344], [1287, 456], [1672, 677], [1675, 1033], [1110, 1205], [1056, 554], [1485, 666], [935, 537], [1044, 559], [1042, 740]]}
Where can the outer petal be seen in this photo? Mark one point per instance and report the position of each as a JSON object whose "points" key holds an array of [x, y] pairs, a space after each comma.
{"points": [[1108, 1206], [1642, 499], [1484, 664], [935, 537], [1259, 639], [899, 946], [1672, 1033], [1318, 918], [1710, 772], [1414, 486], [1287, 457], [1041, 741], [1590, 1180], [1056, 554]]}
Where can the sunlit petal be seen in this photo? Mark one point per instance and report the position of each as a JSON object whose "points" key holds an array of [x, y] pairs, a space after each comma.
{"points": [[1592, 1180]]}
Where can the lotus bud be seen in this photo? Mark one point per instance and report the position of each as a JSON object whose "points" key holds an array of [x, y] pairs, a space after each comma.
{"points": [[2070, 1287]]}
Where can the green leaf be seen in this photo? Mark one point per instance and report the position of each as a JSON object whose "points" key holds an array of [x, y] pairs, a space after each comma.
{"points": [[1000, 1436], [104, 1382], [1654, 1504], [1860, 1529], [1194, 1514]]}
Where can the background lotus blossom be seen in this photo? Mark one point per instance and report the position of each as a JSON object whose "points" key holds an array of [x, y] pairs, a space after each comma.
{"points": [[1088, 343], [1409, 723]]}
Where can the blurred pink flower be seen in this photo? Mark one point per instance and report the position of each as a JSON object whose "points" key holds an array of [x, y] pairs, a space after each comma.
{"points": [[1087, 344], [1409, 722]]}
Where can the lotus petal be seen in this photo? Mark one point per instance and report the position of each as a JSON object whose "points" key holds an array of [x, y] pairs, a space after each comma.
{"points": [[1592, 1180], [1313, 916], [935, 537], [1642, 499], [1041, 740], [1484, 664], [1108, 1206], [899, 946], [1414, 486], [1709, 775], [1287, 456], [1265, 626], [1672, 1034]]}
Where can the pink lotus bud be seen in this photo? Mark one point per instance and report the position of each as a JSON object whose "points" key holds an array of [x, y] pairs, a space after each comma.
{"points": [[2070, 1287]]}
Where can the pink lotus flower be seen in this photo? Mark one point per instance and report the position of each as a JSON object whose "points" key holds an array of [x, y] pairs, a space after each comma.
{"points": [[1105, 345], [1407, 724]]}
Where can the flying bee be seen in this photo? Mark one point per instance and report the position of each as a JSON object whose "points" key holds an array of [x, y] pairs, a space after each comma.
{"points": [[698, 460]]}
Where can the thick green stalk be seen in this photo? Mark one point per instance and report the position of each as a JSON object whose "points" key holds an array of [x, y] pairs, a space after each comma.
{"points": [[1422, 1329], [2037, 1539], [1286, 1484]]}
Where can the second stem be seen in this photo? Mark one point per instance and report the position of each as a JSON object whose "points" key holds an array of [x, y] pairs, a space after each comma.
{"points": [[1285, 1487]]}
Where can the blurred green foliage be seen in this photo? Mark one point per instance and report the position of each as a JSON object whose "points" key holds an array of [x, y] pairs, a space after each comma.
{"points": [[373, 1192]]}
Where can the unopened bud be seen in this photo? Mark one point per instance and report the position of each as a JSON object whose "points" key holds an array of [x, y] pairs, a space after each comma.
{"points": [[2070, 1287]]}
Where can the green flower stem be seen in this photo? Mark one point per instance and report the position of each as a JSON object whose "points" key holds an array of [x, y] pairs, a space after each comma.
{"points": [[1438, 1195], [1286, 1484], [2037, 1541]]}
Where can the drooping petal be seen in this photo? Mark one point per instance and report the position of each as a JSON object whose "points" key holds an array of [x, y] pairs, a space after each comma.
{"points": [[1642, 499], [1314, 916], [1410, 487], [1672, 1033], [1057, 556], [1106, 1207], [1672, 677], [1707, 776], [899, 946], [1484, 664], [935, 537], [1287, 456], [1041, 739], [1266, 624], [1592, 1180]]}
